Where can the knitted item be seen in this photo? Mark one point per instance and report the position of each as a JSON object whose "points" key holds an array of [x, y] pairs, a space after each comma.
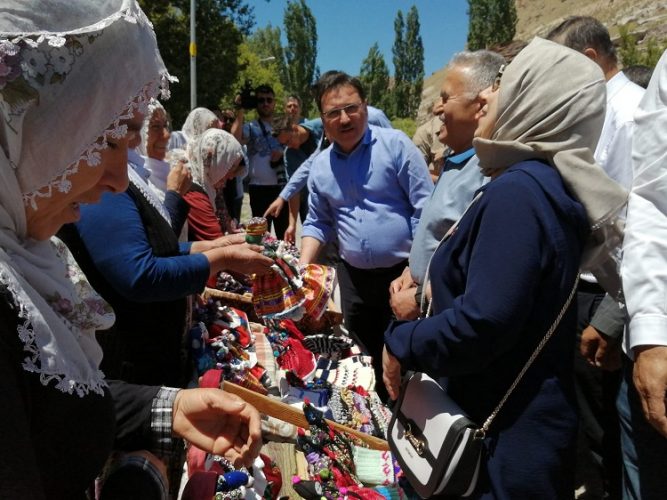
{"points": [[318, 284], [373, 467], [283, 454], [329, 345]]}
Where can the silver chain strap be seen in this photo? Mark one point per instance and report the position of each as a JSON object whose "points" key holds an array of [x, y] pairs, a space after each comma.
{"points": [[536, 352]]}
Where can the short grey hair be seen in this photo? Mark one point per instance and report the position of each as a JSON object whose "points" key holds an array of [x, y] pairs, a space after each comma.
{"points": [[482, 68]]}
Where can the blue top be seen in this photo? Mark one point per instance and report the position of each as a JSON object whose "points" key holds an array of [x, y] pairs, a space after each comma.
{"points": [[370, 199], [498, 283], [116, 240], [454, 190], [299, 177], [294, 157]]}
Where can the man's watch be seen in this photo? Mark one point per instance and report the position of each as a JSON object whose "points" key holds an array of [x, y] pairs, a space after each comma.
{"points": [[418, 295]]}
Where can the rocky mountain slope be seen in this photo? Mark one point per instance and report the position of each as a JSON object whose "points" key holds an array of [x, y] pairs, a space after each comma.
{"points": [[645, 18]]}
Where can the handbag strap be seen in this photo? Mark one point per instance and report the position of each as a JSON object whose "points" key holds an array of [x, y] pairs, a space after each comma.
{"points": [[481, 432], [536, 352]]}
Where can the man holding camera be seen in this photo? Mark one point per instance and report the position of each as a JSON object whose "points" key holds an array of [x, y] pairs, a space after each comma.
{"points": [[265, 154]]}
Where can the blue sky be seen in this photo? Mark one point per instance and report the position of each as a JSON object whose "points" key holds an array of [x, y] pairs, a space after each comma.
{"points": [[347, 29]]}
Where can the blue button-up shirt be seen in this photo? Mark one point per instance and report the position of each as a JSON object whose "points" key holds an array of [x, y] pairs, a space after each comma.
{"points": [[370, 199]]}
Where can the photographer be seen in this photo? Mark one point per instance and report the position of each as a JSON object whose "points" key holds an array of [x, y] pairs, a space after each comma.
{"points": [[265, 154]]}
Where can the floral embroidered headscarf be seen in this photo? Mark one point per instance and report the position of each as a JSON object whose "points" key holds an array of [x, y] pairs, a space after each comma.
{"points": [[70, 72], [199, 121], [212, 156]]}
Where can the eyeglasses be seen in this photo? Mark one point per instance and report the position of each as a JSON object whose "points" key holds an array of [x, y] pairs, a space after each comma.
{"points": [[499, 76], [335, 114], [267, 100]]}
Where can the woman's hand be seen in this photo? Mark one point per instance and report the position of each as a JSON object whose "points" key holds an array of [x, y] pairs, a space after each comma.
{"points": [[229, 239], [179, 178], [219, 423], [243, 258], [391, 373]]}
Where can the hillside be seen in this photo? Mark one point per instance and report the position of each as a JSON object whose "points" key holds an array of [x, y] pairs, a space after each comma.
{"points": [[646, 18]]}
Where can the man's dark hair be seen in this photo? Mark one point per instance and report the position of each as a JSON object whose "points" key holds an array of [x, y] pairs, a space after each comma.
{"points": [[332, 80], [582, 32], [264, 89], [639, 74], [281, 123]]}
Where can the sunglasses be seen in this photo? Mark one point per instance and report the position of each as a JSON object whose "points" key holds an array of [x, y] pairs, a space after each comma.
{"points": [[499, 76], [265, 100]]}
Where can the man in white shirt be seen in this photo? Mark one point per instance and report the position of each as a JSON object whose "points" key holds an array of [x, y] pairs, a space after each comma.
{"points": [[601, 321], [644, 272]]}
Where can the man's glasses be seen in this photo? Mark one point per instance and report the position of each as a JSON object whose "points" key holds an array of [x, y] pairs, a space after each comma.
{"points": [[335, 114], [499, 76], [263, 100]]}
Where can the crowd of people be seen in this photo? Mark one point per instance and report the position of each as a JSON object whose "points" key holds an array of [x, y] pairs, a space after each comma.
{"points": [[539, 175]]}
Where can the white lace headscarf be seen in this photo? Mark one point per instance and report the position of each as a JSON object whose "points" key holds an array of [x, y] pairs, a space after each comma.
{"points": [[551, 106], [70, 71], [159, 169], [199, 121], [212, 156]]}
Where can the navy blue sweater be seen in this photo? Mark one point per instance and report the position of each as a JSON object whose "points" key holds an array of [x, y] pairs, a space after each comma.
{"points": [[498, 283]]}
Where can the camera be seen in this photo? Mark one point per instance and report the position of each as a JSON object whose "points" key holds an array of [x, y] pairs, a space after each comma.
{"points": [[248, 97]]}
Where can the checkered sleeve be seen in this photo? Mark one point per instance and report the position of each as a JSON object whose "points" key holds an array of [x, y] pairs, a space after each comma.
{"points": [[164, 444]]}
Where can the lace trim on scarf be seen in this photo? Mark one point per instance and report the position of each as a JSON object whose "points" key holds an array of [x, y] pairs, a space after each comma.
{"points": [[31, 362], [92, 154]]}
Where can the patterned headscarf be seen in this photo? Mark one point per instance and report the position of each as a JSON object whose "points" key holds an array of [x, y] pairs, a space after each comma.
{"points": [[66, 82], [212, 155], [199, 121]]}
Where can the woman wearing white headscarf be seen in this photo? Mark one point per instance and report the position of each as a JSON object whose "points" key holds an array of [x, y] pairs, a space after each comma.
{"points": [[502, 276], [197, 122], [65, 115], [215, 157], [153, 147]]}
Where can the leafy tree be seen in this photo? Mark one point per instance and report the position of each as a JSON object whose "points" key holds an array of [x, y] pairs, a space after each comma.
{"points": [[301, 51], [220, 28], [265, 42], [630, 53], [408, 52], [252, 68], [374, 76], [491, 22], [413, 71], [399, 91]]}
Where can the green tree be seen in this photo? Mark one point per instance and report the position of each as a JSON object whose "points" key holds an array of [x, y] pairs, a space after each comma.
{"points": [[491, 22], [253, 68], [408, 52], [374, 76], [301, 51], [220, 28], [413, 71], [399, 91], [265, 42], [630, 53]]}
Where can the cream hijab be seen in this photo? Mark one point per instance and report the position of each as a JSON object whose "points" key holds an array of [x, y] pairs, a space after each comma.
{"points": [[199, 121], [60, 91], [212, 156], [551, 106]]}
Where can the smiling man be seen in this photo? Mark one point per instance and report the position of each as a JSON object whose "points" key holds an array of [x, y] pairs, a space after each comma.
{"points": [[366, 191]]}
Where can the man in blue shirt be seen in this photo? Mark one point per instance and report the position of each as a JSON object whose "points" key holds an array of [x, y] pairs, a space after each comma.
{"points": [[466, 75], [366, 191]]}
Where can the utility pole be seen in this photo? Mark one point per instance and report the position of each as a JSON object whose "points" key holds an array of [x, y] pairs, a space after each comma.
{"points": [[193, 55]]}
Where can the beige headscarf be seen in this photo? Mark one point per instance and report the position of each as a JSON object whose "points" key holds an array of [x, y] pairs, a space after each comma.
{"points": [[551, 106], [212, 155], [71, 71]]}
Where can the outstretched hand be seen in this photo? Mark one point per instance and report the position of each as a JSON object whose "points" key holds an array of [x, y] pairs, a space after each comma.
{"points": [[275, 208], [219, 423]]}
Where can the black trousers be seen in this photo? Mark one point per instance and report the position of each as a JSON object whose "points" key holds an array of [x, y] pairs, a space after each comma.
{"points": [[364, 295], [260, 199], [596, 392]]}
